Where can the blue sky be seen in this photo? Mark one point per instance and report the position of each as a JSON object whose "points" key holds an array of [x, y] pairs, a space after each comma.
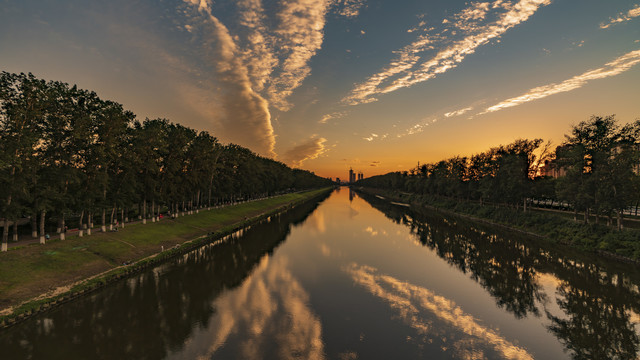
{"points": [[328, 85]]}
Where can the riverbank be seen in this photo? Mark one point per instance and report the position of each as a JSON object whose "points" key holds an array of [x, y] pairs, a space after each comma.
{"points": [[620, 245], [35, 277]]}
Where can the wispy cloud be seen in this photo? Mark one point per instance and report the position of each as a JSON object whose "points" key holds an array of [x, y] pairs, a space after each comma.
{"points": [[261, 60], [622, 17], [422, 125], [247, 118], [299, 36], [349, 8], [613, 68], [203, 5], [458, 112], [417, 128], [277, 56], [310, 149], [409, 67], [468, 18], [331, 116], [375, 137], [259, 54], [420, 26]]}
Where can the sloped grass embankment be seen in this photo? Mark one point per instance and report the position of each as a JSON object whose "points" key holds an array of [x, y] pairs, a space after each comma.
{"points": [[36, 277]]}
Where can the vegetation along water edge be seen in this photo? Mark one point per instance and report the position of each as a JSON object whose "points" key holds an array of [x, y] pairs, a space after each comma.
{"points": [[623, 245], [37, 277], [585, 193]]}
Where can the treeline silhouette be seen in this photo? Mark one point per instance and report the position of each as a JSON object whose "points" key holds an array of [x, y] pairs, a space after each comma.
{"points": [[66, 152], [597, 166]]}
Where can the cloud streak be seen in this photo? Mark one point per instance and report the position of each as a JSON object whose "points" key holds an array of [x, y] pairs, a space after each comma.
{"points": [[331, 116], [247, 119], [349, 8], [458, 112], [259, 62], [308, 150], [613, 68], [409, 68], [277, 56], [299, 36], [622, 17], [258, 53]]}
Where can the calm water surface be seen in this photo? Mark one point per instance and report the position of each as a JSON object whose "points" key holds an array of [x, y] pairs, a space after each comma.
{"points": [[353, 277]]}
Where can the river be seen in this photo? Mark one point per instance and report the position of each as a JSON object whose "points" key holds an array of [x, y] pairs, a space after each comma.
{"points": [[353, 277]]}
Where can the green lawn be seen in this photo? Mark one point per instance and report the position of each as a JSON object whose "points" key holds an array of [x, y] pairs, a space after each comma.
{"points": [[29, 271]]}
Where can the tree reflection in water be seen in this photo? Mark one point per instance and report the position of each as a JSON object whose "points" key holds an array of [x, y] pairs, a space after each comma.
{"points": [[152, 314], [598, 298], [595, 329]]}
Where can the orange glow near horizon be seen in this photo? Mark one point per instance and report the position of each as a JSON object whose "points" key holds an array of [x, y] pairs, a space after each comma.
{"points": [[322, 86]]}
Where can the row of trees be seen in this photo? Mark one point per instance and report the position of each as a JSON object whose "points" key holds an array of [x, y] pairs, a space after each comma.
{"points": [[599, 161], [64, 151]]}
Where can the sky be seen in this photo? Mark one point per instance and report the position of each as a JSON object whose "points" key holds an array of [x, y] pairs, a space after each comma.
{"points": [[328, 85]]}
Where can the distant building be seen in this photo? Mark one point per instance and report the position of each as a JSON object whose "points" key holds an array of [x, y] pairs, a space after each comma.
{"points": [[352, 176], [338, 180], [551, 168], [360, 176]]}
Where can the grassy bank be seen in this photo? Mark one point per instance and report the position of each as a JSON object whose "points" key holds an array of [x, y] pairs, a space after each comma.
{"points": [[61, 269], [624, 244]]}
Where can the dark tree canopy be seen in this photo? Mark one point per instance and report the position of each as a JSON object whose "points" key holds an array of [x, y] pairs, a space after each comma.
{"points": [[599, 162], [65, 151]]}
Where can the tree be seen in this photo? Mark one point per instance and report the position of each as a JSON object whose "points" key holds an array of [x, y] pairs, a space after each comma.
{"points": [[149, 146], [203, 154], [599, 157], [21, 109], [64, 150]]}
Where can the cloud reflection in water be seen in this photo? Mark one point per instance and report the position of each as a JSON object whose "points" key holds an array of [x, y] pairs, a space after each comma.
{"points": [[412, 304], [266, 316]]}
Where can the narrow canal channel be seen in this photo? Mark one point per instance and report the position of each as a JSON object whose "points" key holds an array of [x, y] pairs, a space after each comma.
{"points": [[353, 277]]}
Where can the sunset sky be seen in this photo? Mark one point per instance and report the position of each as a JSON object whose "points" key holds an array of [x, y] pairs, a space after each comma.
{"points": [[326, 85]]}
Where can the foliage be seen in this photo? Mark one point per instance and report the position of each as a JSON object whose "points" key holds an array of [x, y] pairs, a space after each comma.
{"points": [[32, 270], [590, 237], [599, 161], [64, 150], [502, 174]]}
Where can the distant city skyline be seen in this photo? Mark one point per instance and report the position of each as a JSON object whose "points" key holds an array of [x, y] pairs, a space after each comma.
{"points": [[330, 85]]}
